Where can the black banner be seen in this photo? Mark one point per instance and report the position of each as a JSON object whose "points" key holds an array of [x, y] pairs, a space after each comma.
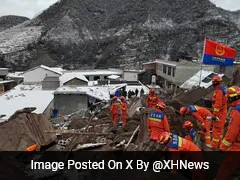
{"points": [[119, 165]]}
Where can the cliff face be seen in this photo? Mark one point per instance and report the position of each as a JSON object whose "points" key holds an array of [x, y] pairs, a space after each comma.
{"points": [[76, 34]]}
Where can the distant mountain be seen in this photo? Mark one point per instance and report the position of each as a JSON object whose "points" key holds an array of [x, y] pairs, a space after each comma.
{"points": [[103, 33], [7, 22]]}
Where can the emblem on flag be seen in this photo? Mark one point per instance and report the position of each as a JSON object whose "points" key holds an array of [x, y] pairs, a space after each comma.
{"points": [[218, 54]]}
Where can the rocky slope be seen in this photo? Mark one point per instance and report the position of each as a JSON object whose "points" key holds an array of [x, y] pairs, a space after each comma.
{"points": [[7, 22], [104, 33]]}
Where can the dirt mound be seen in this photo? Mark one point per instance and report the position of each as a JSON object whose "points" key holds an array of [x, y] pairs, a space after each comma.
{"points": [[191, 97], [77, 123], [25, 129]]}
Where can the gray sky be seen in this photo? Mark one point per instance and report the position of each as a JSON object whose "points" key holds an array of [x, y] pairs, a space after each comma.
{"points": [[30, 8]]}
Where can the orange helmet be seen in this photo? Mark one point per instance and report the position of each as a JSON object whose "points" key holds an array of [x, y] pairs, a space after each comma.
{"points": [[217, 80], [122, 98], [164, 137], [187, 124], [233, 94], [184, 111], [161, 105], [152, 91]]}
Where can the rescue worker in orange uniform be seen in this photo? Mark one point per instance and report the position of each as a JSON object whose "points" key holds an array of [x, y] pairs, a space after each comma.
{"points": [[158, 122], [201, 114], [124, 110], [176, 143], [231, 141], [32, 148], [191, 132], [115, 109], [152, 99], [219, 105]]}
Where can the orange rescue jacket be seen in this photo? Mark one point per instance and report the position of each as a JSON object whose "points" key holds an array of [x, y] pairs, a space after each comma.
{"points": [[200, 113], [219, 99], [231, 140], [157, 123], [116, 106]]}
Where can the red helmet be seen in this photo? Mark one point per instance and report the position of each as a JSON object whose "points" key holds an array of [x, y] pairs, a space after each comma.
{"points": [[164, 137], [122, 98], [184, 111], [217, 80], [187, 124], [152, 91], [161, 105]]}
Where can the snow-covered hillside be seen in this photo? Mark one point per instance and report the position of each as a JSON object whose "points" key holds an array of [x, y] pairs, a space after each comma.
{"points": [[100, 34]]}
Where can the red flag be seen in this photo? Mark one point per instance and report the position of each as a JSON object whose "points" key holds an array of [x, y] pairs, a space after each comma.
{"points": [[218, 54]]}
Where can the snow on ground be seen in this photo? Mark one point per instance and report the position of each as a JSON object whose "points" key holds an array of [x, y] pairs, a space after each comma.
{"points": [[194, 81], [16, 99], [92, 83], [17, 38]]}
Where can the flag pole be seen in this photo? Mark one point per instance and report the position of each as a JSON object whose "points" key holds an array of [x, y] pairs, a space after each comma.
{"points": [[200, 79]]}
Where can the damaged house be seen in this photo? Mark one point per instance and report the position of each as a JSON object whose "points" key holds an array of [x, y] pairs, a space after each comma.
{"points": [[72, 98]]}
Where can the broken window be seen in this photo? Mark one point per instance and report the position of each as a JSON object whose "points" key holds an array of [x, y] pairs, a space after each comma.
{"points": [[208, 78]]}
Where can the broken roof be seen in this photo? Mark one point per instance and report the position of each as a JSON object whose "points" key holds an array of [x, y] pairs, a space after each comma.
{"points": [[18, 99], [67, 76], [205, 80], [98, 92]]}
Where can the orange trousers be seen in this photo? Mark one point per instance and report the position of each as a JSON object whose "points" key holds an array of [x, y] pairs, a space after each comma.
{"points": [[114, 118], [218, 129], [124, 117], [206, 136]]}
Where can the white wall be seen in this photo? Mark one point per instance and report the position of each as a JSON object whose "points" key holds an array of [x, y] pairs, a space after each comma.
{"points": [[130, 76], [37, 75]]}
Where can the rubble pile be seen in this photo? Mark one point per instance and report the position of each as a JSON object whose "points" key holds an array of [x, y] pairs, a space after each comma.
{"points": [[92, 129], [25, 129]]}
